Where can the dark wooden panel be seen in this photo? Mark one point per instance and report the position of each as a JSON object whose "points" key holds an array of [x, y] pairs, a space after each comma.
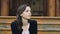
{"points": [[39, 7]]}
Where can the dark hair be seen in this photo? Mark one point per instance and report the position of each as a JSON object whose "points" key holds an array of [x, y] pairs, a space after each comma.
{"points": [[20, 10]]}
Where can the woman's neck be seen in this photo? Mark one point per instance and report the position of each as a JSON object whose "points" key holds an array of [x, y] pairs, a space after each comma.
{"points": [[24, 21]]}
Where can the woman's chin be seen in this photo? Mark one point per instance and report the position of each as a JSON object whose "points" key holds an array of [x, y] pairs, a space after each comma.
{"points": [[28, 18]]}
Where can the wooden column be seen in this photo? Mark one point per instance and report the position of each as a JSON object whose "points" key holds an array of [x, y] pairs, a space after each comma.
{"points": [[51, 6], [4, 7], [0, 7], [57, 8]]}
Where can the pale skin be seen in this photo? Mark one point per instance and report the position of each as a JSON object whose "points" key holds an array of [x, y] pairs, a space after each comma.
{"points": [[26, 15]]}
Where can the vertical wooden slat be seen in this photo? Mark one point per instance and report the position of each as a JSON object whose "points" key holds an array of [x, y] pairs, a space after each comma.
{"points": [[51, 7], [57, 8], [4, 7], [0, 7]]}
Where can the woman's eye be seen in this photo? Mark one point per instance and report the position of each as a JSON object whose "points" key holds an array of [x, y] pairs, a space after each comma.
{"points": [[27, 11]]}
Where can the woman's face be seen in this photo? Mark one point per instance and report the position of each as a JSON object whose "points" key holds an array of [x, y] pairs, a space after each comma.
{"points": [[26, 13]]}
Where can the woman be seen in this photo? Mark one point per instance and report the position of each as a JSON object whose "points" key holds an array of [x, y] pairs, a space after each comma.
{"points": [[23, 23]]}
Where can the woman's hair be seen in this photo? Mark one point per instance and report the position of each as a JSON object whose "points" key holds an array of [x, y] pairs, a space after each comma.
{"points": [[20, 10]]}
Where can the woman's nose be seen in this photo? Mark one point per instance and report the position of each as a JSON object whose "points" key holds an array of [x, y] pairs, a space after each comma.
{"points": [[29, 12]]}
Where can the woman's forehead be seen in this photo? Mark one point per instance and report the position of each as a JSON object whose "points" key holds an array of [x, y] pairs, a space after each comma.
{"points": [[28, 8]]}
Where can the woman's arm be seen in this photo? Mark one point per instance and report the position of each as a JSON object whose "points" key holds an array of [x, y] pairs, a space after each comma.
{"points": [[34, 31], [14, 28]]}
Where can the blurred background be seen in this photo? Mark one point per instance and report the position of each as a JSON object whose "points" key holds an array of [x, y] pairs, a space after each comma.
{"points": [[45, 12]]}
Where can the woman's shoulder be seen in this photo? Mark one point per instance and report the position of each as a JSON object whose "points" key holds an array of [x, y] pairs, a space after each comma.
{"points": [[33, 21], [13, 23]]}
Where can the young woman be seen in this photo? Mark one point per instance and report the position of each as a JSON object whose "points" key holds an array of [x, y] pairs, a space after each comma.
{"points": [[23, 23]]}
